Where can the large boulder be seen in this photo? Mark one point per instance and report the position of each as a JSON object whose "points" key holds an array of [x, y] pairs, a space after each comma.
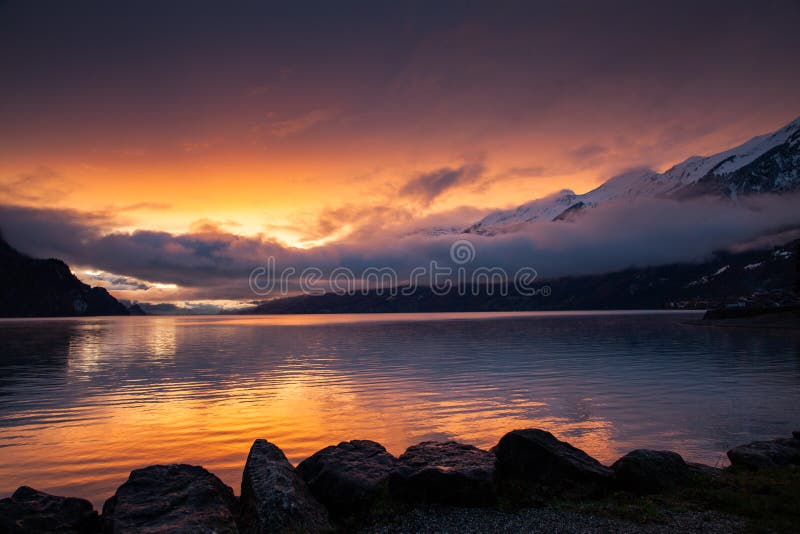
{"points": [[704, 471], [766, 454], [274, 497], [29, 510], [647, 471], [444, 472], [349, 477], [533, 465], [174, 498]]}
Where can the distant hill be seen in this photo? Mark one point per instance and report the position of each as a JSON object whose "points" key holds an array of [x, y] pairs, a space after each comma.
{"points": [[47, 288], [762, 278], [136, 309]]}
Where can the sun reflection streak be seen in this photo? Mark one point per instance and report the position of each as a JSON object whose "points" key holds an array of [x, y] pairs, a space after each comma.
{"points": [[83, 402], [214, 427]]}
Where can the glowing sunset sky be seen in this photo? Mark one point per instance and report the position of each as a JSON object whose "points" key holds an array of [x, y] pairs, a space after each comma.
{"points": [[301, 122]]}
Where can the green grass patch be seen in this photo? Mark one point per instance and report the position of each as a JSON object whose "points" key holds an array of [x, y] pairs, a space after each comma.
{"points": [[767, 501]]}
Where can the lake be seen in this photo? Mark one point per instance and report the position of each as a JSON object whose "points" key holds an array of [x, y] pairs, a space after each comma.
{"points": [[83, 401]]}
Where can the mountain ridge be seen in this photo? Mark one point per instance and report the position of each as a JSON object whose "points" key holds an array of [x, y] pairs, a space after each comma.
{"points": [[31, 287], [763, 278], [768, 163]]}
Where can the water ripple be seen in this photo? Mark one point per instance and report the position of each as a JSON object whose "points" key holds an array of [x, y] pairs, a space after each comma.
{"points": [[84, 401]]}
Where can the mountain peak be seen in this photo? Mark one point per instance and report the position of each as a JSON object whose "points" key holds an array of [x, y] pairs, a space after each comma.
{"points": [[564, 193], [768, 163], [728, 161], [794, 125]]}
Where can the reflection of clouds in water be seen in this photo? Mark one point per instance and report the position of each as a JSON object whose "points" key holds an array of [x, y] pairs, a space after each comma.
{"points": [[161, 339], [122, 343], [122, 393], [86, 349]]}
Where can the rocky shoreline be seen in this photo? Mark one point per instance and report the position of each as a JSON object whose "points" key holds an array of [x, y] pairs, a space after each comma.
{"points": [[777, 318], [359, 486]]}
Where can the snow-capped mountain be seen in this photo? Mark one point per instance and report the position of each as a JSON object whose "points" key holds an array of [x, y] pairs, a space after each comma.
{"points": [[766, 164], [542, 209]]}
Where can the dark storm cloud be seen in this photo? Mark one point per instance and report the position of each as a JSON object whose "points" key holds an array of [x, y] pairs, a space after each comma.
{"points": [[217, 265], [51, 232], [83, 69], [426, 187], [602, 81], [588, 152]]}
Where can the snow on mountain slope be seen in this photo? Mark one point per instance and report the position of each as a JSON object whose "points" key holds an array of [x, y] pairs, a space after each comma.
{"points": [[739, 170], [628, 185], [695, 168], [776, 170], [542, 209]]}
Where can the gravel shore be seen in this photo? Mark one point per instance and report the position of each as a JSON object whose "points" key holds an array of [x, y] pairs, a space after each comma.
{"points": [[547, 519]]}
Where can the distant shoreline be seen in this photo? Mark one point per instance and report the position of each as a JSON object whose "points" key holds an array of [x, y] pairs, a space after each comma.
{"points": [[782, 318]]}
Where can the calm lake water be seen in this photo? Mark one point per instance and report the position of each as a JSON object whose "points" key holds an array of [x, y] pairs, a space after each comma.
{"points": [[84, 401]]}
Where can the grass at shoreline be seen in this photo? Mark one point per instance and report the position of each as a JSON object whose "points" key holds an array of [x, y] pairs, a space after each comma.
{"points": [[758, 502], [768, 501]]}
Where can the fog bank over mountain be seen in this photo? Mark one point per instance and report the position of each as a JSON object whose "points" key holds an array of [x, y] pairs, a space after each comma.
{"points": [[216, 263]]}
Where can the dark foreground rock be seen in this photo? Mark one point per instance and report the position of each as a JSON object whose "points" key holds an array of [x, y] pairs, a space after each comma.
{"points": [[444, 472], [348, 477], [766, 454], [647, 471], [703, 471], [274, 498], [532, 463], [365, 487], [29, 510], [171, 498]]}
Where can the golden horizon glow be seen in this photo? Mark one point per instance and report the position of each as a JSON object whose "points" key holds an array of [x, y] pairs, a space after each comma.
{"points": [[313, 129], [249, 194]]}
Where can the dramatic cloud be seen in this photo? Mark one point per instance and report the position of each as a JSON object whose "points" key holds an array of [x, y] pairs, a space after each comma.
{"points": [[366, 136], [426, 187], [260, 111], [41, 185], [215, 264], [356, 222], [112, 281]]}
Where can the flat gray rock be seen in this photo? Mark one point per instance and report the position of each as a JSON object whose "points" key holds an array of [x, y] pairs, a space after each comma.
{"points": [[171, 498], [444, 472], [274, 498]]}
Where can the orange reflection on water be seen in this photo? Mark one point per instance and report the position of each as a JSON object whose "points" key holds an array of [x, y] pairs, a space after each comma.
{"points": [[106, 396], [91, 450]]}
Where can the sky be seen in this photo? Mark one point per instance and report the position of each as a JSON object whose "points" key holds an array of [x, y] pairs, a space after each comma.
{"points": [[308, 128]]}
